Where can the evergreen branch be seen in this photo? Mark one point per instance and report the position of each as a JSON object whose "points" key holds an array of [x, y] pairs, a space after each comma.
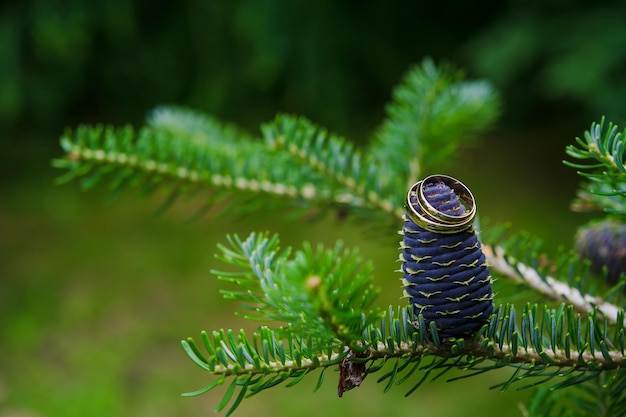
{"points": [[323, 296], [231, 354], [186, 152], [545, 344], [342, 169], [258, 364], [604, 152], [602, 198], [319, 292], [539, 344], [152, 156], [502, 263], [559, 338], [433, 111], [603, 395], [187, 124]]}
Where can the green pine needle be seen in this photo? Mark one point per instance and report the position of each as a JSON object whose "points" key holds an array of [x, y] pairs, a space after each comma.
{"points": [[604, 151], [434, 110], [317, 291]]}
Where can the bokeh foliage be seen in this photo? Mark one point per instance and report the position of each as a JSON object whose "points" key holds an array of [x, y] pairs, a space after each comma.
{"points": [[335, 62]]}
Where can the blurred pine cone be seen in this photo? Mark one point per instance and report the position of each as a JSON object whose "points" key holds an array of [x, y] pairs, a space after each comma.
{"points": [[604, 244]]}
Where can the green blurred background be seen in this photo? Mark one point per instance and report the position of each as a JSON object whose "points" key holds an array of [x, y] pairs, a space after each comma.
{"points": [[94, 297]]}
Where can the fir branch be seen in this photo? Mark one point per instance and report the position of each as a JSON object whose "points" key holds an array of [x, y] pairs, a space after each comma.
{"points": [[342, 169], [560, 338], [604, 154], [603, 395], [230, 354], [147, 155], [319, 292], [502, 263], [185, 152], [433, 111], [602, 197], [323, 296], [540, 344], [255, 365], [546, 344], [188, 152], [187, 124]]}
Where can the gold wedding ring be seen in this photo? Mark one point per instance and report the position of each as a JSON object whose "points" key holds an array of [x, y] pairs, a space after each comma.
{"points": [[425, 215]]}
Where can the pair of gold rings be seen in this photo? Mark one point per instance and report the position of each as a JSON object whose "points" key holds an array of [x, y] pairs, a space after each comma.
{"points": [[429, 217]]}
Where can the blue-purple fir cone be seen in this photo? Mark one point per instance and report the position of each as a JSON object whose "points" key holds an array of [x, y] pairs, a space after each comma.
{"points": [[604, 244], [446, 277]]}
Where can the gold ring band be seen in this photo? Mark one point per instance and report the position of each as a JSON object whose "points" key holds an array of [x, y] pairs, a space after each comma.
{"points": [[430, 218]]}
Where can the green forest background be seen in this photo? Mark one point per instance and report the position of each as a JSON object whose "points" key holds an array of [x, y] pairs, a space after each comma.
{"points": [[94, 297]]}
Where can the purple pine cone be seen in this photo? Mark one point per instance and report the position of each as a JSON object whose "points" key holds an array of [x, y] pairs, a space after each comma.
{"points": [[604, 244], [445, 274]]}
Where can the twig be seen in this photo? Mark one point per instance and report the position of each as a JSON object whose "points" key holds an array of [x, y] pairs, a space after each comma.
{"points": [[547, 285]]}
